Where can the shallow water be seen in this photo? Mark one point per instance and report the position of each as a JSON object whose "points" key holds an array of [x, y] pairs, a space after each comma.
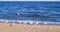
{"points": [[37, 11]]}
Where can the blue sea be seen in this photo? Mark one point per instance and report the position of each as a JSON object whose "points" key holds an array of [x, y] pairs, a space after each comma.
{"points": [[36, 11]]}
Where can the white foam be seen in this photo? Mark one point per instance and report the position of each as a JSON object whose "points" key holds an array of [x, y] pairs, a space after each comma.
{"points": [[28, 21]]}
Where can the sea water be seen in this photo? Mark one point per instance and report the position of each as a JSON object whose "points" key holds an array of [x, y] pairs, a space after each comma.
{"points": [[31, 11]]}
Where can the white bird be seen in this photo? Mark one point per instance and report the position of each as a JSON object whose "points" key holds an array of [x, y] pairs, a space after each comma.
{"points": [[45, 22], [18, 14], [20, 22], [31, 22], [11, 24], [25, 22], [37, 22], [6, 21]]}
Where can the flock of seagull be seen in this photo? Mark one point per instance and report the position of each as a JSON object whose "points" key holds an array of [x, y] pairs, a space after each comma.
{"points": [[21, 22], [29, 22]]}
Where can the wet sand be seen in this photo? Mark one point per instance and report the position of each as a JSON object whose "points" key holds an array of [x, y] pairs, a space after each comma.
{"points": [[5, 27]]}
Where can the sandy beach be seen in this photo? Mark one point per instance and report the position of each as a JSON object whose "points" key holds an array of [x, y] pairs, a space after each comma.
{"points": [[5, 27]]}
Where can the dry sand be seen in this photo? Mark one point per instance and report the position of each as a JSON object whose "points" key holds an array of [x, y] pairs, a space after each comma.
{"points": [[5, 27]]}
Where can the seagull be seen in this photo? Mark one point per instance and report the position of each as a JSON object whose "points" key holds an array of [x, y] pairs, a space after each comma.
{"points": [[6, 21], [45, 22], [11, 24], [37, 22], [31, 22], [18, 14], [20, 22], [25, 22]]}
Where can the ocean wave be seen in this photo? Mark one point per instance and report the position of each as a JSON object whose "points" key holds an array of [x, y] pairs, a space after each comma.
{"points": [[38, 11]]}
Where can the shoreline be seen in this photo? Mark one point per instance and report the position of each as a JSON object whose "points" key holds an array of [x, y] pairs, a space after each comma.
{"points": [[30, 22]]}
